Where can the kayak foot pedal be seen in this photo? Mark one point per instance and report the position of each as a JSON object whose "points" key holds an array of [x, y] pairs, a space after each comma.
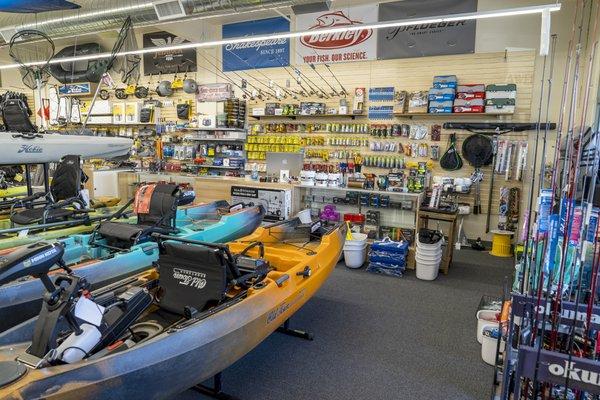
{"points": [[216, 391], [286, 330]]}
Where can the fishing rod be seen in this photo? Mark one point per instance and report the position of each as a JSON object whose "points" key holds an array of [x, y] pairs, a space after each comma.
{"points": [[579, 255], [261, 73], [335, 93], [344, 91], [307, 79], [296, 78], [228, 79], [551, 271], [236, 74], [570, 170], [529, 230]]}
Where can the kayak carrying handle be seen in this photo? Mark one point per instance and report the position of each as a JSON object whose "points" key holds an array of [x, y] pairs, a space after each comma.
{"points": [[282, 279], [27, 135]]}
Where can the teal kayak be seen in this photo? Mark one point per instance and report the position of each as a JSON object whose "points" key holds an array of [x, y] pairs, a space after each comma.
{"points": [[102, 265]]}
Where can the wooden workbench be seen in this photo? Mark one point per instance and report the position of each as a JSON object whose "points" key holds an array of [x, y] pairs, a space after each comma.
{"points": [[424, 216]]}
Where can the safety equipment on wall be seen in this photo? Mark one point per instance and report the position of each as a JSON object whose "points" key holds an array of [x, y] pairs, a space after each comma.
{"points": [[120, 94], [190, 86], [141, 92], [164, 89]]}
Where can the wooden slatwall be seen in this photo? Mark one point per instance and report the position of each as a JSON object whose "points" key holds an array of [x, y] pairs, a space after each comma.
{"points": [[417, 74]]}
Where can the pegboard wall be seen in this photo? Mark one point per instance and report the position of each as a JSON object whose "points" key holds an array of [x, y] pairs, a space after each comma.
{"points": [[412, 75]]}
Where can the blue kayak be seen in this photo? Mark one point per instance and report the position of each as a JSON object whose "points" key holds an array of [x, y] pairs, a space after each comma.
{"points": [[91, 256]]}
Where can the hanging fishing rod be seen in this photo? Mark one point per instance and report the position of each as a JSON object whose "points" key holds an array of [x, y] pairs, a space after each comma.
{"points": [[344, 91], [246, 92], [261, 73], [296, 78], [272, 92], [327, 96], [314, 68]]}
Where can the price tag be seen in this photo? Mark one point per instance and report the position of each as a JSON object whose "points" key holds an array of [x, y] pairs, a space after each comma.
{"points": [[23, 233]]}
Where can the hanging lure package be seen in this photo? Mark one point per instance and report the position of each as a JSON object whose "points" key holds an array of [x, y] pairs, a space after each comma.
{"points": [[435, 152], [436, 132]]}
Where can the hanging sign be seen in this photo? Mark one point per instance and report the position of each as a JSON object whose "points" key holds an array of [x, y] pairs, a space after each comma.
{"points": [[452, 37], [167, 62], [359, 45], [257, 54], [75, 89], [214, 92]]}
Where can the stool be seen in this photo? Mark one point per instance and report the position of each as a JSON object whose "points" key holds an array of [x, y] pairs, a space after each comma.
{"points": [[501, 243]]}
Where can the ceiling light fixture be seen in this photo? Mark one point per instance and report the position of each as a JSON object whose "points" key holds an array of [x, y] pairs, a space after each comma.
{"points": [[547, 8]]}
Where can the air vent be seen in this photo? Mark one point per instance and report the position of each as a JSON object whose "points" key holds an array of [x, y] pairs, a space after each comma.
{"points": [[169, 9]]}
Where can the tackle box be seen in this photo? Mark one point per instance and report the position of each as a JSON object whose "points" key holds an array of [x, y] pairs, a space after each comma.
{"points": [[470, 95], [445, 81], [441, 94], [471, 88], [468, 106], [436, 107], [500, 106], [503, 91]]}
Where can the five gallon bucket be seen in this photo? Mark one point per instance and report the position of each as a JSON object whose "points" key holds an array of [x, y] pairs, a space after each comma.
{"points": [[428, 255], [491, 335], [355, 250], [485, 319]]}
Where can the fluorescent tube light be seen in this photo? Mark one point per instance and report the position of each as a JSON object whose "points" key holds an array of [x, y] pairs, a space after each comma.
{"points": [[291, 35]]}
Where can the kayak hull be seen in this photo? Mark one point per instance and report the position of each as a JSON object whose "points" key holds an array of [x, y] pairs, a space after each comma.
{"points": [[46, 148], [178, 359], [20, 301]]}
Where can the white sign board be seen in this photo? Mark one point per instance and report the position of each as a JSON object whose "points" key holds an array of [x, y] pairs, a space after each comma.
{"points": [[328, 48]]}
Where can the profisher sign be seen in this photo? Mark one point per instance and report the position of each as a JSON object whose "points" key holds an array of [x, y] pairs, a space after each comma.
{"points": [[256, 54], [358, 45], [435, 39]]}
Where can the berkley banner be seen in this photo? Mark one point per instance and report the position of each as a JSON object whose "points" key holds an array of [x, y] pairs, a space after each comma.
{"points": [[453, 37], [359, 45], [257, 54]]}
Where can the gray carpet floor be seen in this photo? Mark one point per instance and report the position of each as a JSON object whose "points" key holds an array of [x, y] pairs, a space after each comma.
{"points": [[380, 338]]}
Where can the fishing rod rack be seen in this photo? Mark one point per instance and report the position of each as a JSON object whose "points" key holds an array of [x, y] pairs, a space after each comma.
{"points": [[525, 362]]}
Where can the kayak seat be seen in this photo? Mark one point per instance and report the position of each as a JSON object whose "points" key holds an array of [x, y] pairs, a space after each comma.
{"points": [[35, 215], [191, 276], [124, 235], [65, 190], [15, 115], [156, 208]]}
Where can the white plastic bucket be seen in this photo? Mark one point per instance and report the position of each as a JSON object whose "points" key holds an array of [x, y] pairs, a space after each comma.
{"points": [[354, 255], [489, 345], [426, 246], [357, 239], [427, 269], [485, 318], [429, 253]]}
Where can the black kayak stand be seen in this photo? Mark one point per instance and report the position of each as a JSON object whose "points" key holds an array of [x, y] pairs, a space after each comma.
{"points": [[286, 330], [216, 391]]}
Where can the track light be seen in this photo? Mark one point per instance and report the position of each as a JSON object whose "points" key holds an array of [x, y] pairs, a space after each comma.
{"points": [[546, 8]]}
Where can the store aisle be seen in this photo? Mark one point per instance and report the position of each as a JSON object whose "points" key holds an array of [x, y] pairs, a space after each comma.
{"points": [[379, 338]]}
